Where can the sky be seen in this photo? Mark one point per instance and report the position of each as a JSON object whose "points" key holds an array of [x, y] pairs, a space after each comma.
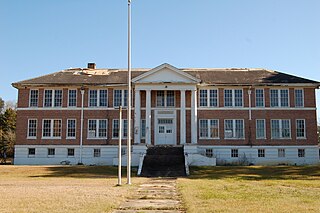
{"points": [[39, 37]]}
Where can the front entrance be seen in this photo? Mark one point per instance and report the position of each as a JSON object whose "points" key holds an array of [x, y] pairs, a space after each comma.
{"points": [[165, 129]]}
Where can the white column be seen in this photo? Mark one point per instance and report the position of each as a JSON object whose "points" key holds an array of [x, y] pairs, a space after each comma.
{"points": [[137, 117], [183, 117], [194, 117], [148, 116]]}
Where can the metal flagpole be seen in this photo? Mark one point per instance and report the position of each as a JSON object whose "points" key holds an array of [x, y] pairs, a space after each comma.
{"points": [[119, 150], [129, 97]]}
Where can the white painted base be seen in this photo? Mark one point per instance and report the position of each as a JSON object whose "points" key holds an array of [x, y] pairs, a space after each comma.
{"points": [[249, 155]]}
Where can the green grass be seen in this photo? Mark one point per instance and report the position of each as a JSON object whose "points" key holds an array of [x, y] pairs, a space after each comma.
{"points": [[252, 189], [62, 189]]}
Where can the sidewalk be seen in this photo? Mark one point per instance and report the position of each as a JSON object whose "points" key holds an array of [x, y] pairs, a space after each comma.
{"points": [[157, 195]]}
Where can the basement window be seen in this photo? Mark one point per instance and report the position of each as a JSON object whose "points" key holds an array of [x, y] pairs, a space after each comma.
{"points": [[31, 152], [209, 153]]}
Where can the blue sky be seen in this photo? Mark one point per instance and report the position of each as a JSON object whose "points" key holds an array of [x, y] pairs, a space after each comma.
{"points": [[40, 37]]}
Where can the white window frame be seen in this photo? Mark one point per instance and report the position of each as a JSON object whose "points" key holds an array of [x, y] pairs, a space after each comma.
{"points": [[256, 99], [28, 134], [264, 128], [98, 97], [208, 122], [233, 98], [281, 153], [295, 98], [123, 97], [165, 96], [97, 129], [234, 153], [53, 98], [281, 129], [279, 98], [31, 98], [261, 153], [76, 93], [304, 129], [52, 129], [31, 155], [234, 129], [208, 98], [74, 153], [75, 129], [97, 153]]}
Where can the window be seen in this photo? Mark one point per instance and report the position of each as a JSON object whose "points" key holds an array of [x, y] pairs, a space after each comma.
{"points": [[71, 128], [33, 99], [279, 98], [300, 128], [70, 152], [72, 98], [32, 128], [234, 153], [280, 129], [259, 98], [120, 98], [281, 153], [31, 152], [52, 98], [51, 152], [298, 98], [96, 153], [301, 153], [98, 98], [261, 153], [51, 128], [143, 128], [115, 128], [233, 129], [233, 98], [209, 128], [260, 129], [165, 98], [97, 129], [209, 153], [208, 98]]}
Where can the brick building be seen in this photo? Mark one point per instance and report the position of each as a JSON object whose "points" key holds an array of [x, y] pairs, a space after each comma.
{"points": [[219, 116]]}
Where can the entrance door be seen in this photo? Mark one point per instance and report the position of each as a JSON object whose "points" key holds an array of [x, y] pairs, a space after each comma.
{"points": [[165, 131]]}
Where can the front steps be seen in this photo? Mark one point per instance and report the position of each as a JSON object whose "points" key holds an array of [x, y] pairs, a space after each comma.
{"points": [[164, 161]]}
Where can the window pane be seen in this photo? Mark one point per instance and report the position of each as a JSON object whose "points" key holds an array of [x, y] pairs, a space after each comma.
{"points": [[238, 97], [72, 98], [58, 98], [203, 128], [228, 97], [284, 98], [259, 98], [203, 98], [160, 98], [32, 128], [260, 129], [298, 99], [92, 128], [48, 98], [102, 128], [286, 129], [239, 129], [274, 98], [275, 129], [96, 153], [125, 128], [117, 95], [170, 98], [143, 128], [125, 98], [103, 101], [56, 128], [213, 97], [46, 128], [34, 98], [71, 131], [228, 128], [300, 128], [93, 98], [214, 128]]}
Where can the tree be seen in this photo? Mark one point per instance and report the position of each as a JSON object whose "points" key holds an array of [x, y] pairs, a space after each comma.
{"points": [[1, 104]]}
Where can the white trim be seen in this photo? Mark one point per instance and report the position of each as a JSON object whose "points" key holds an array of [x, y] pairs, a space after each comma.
{"points": [[208, 129], [280, 129], [51, 129], [208, 98], [52, 97], [74, 127], [279, 97], [233, 93], [98, 98], [305, 128], [234, 129], [37, 98], [32, 137], [97, 130]]}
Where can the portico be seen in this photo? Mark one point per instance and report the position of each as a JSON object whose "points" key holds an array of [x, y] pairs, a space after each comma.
{"points": [[161, 112]]}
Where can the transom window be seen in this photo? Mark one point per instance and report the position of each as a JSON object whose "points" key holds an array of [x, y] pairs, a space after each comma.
{"points": [[233, 129], [120, 98], [32, 128], [97, 129], [165, 98], [115, 128], [98, 98], [280, 129], [209, 128], [298, 98], [260, 129], [208, 98], [51, 128], [52, 98], [234, 153], [259, 98], [300, 128], [33, 99], [71, 128], [233, 98], [279, 98], [72, 97]]}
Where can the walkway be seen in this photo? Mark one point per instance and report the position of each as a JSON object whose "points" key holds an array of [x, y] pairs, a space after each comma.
{"points": [[157, 195]]}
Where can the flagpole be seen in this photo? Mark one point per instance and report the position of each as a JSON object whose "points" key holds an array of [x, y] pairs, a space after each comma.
{"points": [[129, 97]]}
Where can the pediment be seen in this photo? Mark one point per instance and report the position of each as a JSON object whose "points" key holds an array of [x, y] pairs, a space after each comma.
{"points": [[165, 73]]}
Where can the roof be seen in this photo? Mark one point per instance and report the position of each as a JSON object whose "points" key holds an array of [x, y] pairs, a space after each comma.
{"points": [[209, 76]]}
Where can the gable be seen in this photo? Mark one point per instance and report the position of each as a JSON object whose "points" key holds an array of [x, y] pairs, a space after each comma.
{"points": [[165, 73]]}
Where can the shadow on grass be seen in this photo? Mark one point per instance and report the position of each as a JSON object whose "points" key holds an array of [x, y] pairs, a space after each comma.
{"points": [[82, 172], [256, 172]]}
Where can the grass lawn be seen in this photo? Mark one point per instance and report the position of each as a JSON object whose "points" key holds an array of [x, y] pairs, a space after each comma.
{"points": [[252, 189], [61, 189]]}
